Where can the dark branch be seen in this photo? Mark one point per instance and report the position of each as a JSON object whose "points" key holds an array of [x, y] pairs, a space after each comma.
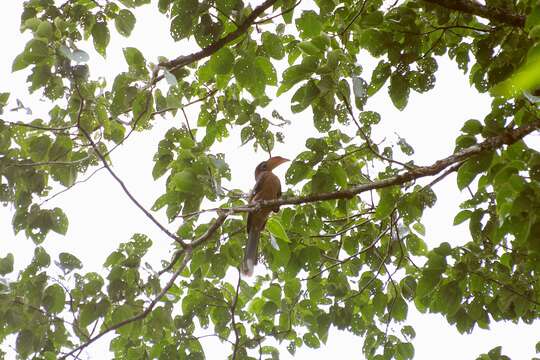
{"points": [[475, 8], [212, 48]]}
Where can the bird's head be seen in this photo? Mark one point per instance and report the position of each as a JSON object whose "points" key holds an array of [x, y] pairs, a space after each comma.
{"points": [[269, 164]]}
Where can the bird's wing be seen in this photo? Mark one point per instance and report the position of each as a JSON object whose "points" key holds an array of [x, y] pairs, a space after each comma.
{"points": [[267, 187], [256, 188]]}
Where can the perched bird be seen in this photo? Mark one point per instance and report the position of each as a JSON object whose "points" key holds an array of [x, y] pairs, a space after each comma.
{"points": [[267, 187]]}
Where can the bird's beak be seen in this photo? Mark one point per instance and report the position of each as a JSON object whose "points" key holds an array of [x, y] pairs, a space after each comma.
{"points": [[275, 161]]}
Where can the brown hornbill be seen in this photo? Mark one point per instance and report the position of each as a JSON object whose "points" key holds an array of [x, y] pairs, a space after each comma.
{"points": [[267, 187]]}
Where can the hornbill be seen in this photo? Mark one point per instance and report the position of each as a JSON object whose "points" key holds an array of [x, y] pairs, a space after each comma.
{"points": [[267, 187]]}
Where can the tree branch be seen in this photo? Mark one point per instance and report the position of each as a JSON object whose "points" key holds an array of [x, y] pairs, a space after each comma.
{"points": [[266, 19], [212, 48], [119, 181], [39, 127], [143, 314], [508, 137], [475, 8], [211, 230], [72, 185]]}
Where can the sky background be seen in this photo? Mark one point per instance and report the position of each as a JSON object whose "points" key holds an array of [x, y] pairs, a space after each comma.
{"points": [[101, 216]]}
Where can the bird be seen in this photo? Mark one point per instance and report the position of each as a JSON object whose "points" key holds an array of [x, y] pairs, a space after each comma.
{"points": [[267, 187]]}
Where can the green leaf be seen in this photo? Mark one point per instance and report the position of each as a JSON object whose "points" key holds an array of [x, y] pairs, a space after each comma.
{"points": [[68, 262], [533, 18], [387, 203], [20, 63], [25, 343], [4, 97], [399, 309], [420, 228], [39, 147], [186, 12], [309, 24], [6, 264], [292, 76], [125, 22], [399, 91], [340, 176], [101, 36], [311, 340], [59, 221], [181, 26], [272, 45], [416, 245], [184, 181], [267, 69], [275, 227], [250, 76], [222, 61], [136, 61], [273, 293], [380, 74], [309, 48], [404, 351], [35, 51], [462, 216], [471, 168], [45, 30], [472, 127], [54, 299]]}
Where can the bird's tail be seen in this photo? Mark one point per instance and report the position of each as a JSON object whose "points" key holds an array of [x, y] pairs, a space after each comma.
{"points": [[250, 256]]}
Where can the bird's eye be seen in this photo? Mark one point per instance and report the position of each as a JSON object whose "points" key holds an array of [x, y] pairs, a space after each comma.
{"points": [[263, 166]]}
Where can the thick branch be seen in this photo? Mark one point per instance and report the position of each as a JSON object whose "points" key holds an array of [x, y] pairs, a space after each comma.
{"points": [[475, 8], [508, 137], [212, 48], [143, 314], [211, 230]]}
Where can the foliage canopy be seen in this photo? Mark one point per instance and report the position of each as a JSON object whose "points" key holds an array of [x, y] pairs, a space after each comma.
{"points": [[336, 258]]}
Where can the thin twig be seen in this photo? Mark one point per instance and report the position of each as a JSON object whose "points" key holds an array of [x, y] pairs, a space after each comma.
{"points": [[162, 111], [341, 262], [370, 281], [269, 18], [354, 18], [72, 185], [118, 180], [39, 127], [367, 139]]}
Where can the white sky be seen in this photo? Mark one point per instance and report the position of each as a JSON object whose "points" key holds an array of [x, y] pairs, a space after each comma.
{"points": [[101, 216]]}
